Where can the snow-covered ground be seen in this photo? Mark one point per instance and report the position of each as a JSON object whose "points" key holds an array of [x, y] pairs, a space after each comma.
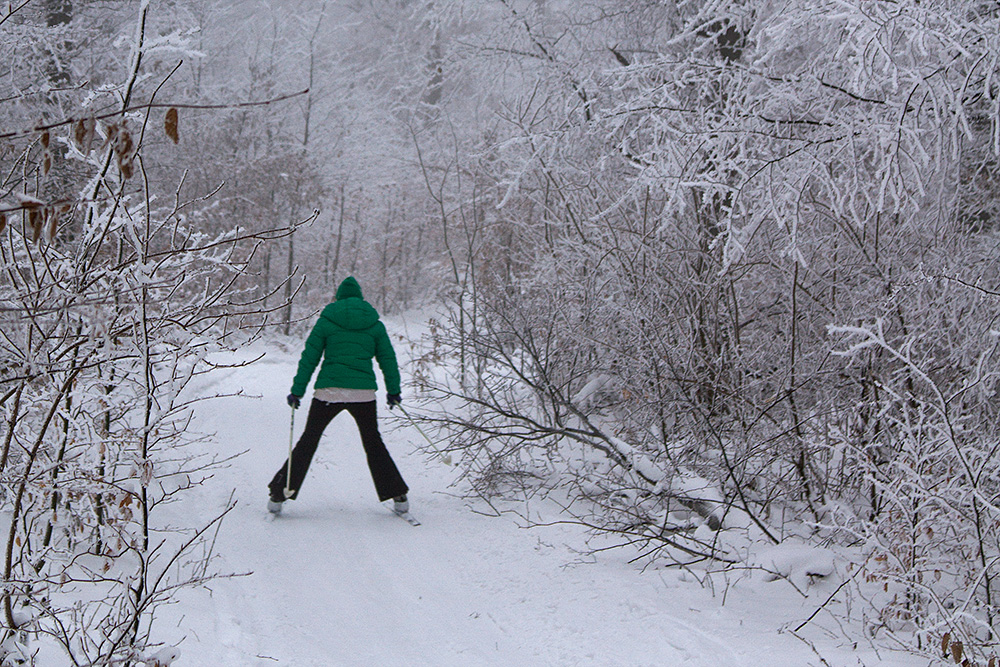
{"points": [[339, 580]]}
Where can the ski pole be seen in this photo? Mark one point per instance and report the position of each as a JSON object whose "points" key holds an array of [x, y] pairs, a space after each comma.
{"points": [[288, 473], [446, 456]]}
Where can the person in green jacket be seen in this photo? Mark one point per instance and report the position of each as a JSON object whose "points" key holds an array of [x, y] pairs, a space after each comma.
{"points": [[346, 337]]}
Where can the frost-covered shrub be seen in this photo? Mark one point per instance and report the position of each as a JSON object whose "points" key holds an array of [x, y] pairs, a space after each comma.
{"points": [[112, 293], [689, 227]]}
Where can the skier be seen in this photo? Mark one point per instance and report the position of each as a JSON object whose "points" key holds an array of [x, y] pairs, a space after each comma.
{"points": [[347, 336]]}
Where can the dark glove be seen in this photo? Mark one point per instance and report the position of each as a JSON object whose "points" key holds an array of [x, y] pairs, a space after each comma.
{"points": [[294, 401], [393, 400]]}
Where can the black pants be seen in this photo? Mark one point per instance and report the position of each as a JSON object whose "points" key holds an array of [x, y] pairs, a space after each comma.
{"points": [[388, 482]]}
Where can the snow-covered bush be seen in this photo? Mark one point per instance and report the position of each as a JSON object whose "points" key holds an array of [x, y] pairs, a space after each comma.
{"points": [[112, 292], [677, 220]]}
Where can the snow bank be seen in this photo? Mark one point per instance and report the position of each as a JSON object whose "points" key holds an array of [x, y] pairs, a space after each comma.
{"points": [[800, 564], [164, 658]]}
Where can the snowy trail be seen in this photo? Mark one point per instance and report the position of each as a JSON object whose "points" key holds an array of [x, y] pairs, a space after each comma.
{"points": [[339, 580]]}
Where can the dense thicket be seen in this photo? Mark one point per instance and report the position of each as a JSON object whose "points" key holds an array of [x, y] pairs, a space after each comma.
{"points": [[746, 253], [114, 288]]}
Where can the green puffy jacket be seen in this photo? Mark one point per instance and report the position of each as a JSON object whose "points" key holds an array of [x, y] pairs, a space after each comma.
{"points": [[347, 336]]}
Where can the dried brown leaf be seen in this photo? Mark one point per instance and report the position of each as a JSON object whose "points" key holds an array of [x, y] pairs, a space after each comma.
{"points": [[46, 163], [45, 138], [80, 134], [123, 144], [53, 218], [170, 125], [956, 652], [3, 222], [125, 167], [124, 152], [945, 640], [110, 135], [35, 220], [83, 134]]}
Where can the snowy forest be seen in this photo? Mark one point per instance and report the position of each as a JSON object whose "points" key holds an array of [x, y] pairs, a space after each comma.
{"points": [[709, 274]]}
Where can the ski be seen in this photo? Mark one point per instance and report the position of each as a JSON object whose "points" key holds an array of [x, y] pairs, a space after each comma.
{"points": [[409, 518]]}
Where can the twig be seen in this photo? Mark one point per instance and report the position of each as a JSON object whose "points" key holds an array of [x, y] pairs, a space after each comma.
{"points": [[157, 105], [825, 602]]}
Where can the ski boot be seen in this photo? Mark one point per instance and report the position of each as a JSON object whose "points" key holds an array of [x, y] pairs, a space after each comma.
{"points": [[400, 505]]}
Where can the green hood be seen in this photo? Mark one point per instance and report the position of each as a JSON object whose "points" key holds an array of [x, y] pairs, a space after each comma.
{"points": [[348, 289], [350, 311]]}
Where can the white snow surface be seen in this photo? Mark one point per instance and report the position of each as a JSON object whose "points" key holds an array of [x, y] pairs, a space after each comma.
{"points": [[339, 580]]}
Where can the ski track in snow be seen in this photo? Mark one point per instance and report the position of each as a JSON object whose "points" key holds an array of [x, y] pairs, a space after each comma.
{"points": [[338, 580]]}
